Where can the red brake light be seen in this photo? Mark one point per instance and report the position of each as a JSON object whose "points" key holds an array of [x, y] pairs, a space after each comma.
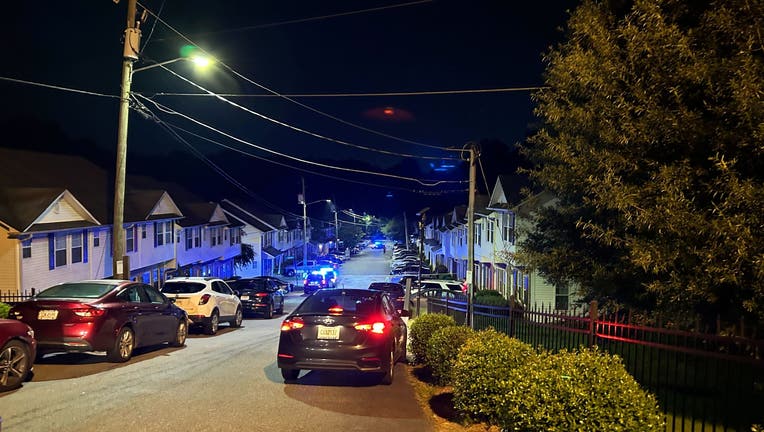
{"points": [[292, 324], [377, 327], [261, 294], [205, 298], [89, 312], [335, 310]]}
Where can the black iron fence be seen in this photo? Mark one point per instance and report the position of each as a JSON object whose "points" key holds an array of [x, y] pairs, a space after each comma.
{"points": [[703, 382], [12, 299]]}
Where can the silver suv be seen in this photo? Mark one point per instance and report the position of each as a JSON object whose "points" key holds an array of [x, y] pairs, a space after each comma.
{"points": [[207, 301]]}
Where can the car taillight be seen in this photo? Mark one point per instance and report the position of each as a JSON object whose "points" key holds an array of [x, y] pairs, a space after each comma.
{"points": [[292, 324], [261, 295], [335, 310], [377, 327], [205, 298], [89, 312]]}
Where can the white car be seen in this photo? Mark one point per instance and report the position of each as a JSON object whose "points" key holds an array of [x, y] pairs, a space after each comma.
{"points": [[207, 301]]}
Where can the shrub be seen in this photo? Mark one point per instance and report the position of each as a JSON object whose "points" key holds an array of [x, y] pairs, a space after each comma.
{"points": [[485, 368], [577, 391], [4, 309], [490, 298], [422, 328], [442, 350]]}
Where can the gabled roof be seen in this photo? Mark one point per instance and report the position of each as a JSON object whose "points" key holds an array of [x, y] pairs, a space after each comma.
{"points": [[249, 214], [507, 191], [202, 213], [143, 205], [42, 209]]}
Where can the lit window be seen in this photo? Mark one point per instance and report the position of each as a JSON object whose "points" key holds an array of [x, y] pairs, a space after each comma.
{"points": [[60, 250]]}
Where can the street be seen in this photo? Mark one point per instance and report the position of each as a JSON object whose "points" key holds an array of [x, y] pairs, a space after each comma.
{"points": [[224, 382]]}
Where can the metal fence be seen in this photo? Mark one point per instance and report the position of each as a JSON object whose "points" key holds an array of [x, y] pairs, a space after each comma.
{"points": [[12, 299], [703, 382]]}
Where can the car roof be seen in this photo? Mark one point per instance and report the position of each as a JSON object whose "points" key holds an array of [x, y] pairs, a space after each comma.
{"points": [[193, 278]]}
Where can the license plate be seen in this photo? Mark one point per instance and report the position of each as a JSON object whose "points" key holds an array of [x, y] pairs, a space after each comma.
{"points": [[47, 314], [325, 332], [245, 297]]}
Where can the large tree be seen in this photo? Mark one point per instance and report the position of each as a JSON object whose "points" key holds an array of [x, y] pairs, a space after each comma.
{"points": [[653, 141]]}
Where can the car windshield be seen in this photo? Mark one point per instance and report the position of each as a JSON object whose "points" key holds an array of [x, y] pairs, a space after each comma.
{"points": [[77, 290], [182, 287], [339, 302]]}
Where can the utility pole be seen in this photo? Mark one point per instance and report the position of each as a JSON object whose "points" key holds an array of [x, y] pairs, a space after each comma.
{"points": [[304, 227], [406, 231], [472, 148], [336, 228], [120, 263]]}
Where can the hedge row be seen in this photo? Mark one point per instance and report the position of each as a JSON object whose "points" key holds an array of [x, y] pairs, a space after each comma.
{"points": [[502, 381]]}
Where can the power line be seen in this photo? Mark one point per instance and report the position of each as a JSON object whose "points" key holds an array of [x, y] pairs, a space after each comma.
{"points": [[345, 122], [295, 128], [317, 18], [55, 87], [378, 94], [429, 183]]}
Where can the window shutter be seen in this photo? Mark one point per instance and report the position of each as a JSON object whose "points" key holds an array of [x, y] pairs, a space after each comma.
{"points": [[155, 234], [85, 241], [51, 251], [171, 225]]}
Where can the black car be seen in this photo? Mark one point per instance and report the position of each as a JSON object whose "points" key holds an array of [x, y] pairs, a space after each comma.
{"points": [[396, 291], [314, 282], [343, 329], [259, 296]]}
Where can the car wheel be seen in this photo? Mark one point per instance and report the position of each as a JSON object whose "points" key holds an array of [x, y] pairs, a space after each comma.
{"points": [[212, 325], [237, 318], [15, 362], [180, 333], [269, 311], [123, 346], [387, 377], [290, 375], [404, 353]]}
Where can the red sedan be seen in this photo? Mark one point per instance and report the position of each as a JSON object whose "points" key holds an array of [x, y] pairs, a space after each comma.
{"points": [[102, 315], [17, 352]]}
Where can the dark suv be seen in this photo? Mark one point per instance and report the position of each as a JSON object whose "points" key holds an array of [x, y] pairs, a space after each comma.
{"points": [[259, 296], [396, 291]]}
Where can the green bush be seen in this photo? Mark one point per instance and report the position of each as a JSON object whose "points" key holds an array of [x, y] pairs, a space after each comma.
{"points": [[4, 309], [490, 298], [442, 350], [585, 390], [422, 328], [485, 369]]}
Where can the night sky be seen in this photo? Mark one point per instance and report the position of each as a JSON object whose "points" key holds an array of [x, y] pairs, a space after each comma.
{"points": [[293, 48]]}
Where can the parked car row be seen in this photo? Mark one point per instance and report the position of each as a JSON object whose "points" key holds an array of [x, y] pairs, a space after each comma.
{"points": [[118, 316]]}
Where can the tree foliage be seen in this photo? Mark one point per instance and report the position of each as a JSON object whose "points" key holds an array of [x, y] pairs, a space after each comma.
{"points": [[653, 142]]}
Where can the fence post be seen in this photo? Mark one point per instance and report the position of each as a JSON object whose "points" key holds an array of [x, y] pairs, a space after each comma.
{"points": [[592, 323]]}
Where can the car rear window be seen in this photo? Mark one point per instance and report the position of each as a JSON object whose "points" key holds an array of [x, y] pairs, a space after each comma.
{"points": [[76, 290], [182, 287], [248, 284], [315, 277], [339, 302]]}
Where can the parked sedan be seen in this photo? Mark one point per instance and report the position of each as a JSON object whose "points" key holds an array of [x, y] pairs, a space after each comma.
{"points": [[18, 348], [259, 296], [343, 329], [102, 315], [396, 291]]}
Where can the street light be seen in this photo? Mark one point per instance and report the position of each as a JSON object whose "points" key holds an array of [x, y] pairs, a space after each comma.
{"points": [[120, 262]]}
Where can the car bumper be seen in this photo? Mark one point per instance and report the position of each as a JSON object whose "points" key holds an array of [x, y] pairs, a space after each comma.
{"points": [[362, 359], [254, 308], [68, 344], [198, 319]]}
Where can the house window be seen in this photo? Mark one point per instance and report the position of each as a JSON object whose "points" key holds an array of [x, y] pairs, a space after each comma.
{"points": [[213, 237], [76, 248], [26, 248], [508, 228], [489, 231], [561, 297], [96, 239], [189, 233], [168, 232], [198, 237], [143, 231], [60, 250], [478, 234], [130, 240]]}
